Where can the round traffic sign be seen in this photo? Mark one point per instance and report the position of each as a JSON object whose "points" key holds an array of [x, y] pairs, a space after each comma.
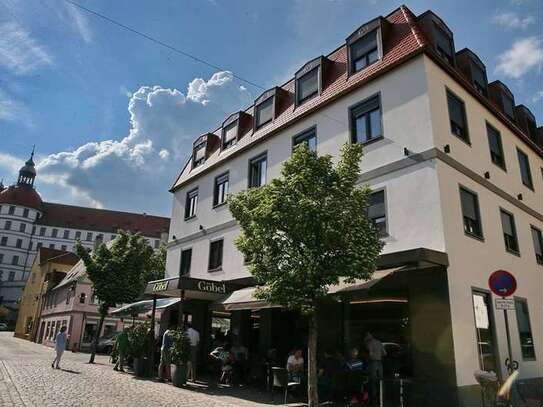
{"points": [[502, 283]]}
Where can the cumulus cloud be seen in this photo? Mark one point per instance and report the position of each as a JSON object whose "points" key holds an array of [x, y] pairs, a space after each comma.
{"points": [[513, 20], [135, 172], [20, 52], [525, 55]]}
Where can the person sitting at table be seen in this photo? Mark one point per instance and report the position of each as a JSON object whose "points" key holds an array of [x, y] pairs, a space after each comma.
{"points": [[295, 366], [354, 363], [226, 357]]}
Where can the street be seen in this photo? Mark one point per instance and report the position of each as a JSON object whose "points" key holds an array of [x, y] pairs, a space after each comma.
{"points": [[27, 379]]}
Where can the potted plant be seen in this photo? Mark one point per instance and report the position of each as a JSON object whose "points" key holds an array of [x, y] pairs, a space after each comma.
{"points": [[180, 356], [138, 345]]}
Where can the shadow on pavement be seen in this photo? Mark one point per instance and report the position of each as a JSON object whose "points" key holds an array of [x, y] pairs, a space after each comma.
{"points": [[70, 371]]}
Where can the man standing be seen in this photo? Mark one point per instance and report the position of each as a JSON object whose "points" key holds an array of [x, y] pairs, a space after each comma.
{"points": [[60, 346], [164, 368], [376, 351], [194, 337], [122, 347]]}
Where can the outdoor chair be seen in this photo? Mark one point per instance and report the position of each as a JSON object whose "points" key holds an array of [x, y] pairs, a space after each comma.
{"points": [[280, 379]]}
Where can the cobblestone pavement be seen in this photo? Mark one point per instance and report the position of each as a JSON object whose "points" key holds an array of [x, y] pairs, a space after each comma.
{"points": [[27, 379]]}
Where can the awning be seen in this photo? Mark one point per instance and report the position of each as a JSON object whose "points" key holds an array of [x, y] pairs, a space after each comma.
{"points": [[145, 306], [245, 298], [190, 288]]}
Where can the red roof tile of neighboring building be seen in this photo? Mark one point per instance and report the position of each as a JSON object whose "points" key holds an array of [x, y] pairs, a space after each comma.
{"points": [[57, 256], [22, 196], [102, 220]]}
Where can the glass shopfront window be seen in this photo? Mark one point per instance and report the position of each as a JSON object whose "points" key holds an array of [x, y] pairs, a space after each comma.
{"points": [[484, 328]]}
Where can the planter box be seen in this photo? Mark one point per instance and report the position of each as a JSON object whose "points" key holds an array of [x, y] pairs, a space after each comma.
{"points": [[142, 367], [179, 375]]}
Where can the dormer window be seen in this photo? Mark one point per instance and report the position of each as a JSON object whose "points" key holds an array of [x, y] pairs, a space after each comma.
{"points": [[309, 80], [508, 106], [364, 52], [502, 97], [479, 80], [474, 70], [439, 35], [234, 127], [199, 154], [230, 135], [264, 112], [444, 45]]}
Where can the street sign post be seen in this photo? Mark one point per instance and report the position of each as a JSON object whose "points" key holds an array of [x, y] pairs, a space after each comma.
{"points": [[505, 303]]}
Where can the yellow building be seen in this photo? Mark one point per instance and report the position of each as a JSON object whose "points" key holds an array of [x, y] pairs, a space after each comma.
{"points": [[49, 267]]}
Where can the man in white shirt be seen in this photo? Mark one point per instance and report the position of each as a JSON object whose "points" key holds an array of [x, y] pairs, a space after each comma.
{"points": [[60, 345], [295, 365], [194, 337]]}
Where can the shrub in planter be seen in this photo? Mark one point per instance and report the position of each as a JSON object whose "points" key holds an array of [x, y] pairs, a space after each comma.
{"points": [[180, 355], [139, 342]]}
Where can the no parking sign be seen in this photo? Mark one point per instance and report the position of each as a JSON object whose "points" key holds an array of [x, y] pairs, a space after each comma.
{"points": [[502, 283]]}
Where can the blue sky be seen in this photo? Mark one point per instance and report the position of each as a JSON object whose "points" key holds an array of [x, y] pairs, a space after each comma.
{"points": [[113, 115]]}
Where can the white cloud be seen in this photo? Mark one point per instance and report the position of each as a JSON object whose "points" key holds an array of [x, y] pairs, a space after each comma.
{"points": [[79, 23], [525, 55], [20, 52], [537, 97], [513, 20]]}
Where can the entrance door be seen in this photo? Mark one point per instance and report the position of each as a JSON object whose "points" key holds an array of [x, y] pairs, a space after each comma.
{"points": [[484, 328]]}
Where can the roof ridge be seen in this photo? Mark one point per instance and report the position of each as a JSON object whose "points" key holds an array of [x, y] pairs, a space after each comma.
{"points": [[415, 29], [105, 210]]}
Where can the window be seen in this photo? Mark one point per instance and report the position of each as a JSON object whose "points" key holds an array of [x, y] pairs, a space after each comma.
{"points": [[22, 227], [308, 137], [1, 258], [54, 233], [479, 79], [377, 212], [1, 279], [30, 245], [366, 121], [191, 203], [538, 244], [11, 276], [215, 255], [508, 106], [220, 191], [229, 135], [113, 237], [11, 210], [484, 328], [199, 154], [470, 213], [15, 260], [457, 116], [25, 212], [509, 231], [66, 234], [63, 247], [264, 112], [7, 225], [495, 144], [42, 231], [186, 258], [257, 171], [78, 235], [444, 45], [52, 246], [89, 237], [307, 86], [524, 329], [364, 52], [4, 241], [532, 128], [19, 243], [525, 172], [38, 246], [82, 298]]}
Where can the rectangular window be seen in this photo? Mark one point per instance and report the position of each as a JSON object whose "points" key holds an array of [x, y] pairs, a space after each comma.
{"points": [[89, 237], [30, 245], [457, 117], [63, 247], [525, 172], [509, 232], [1, 258], [508, 106], [11, 276], [484, 328], [39, 245], [113, 237], [524, 329], [257, 171], [82, 298], [66, 234], [52, 246], [538, 244], [495, 145], [186, 259], [366, 121], [470, 213], [220, 192], [22, 227], [19, 243], [364, 52], [479, 79], [11, 210], [215, 255], [15, 260], [42, 231], [444, 45], [377, 212], [157, 244], [77, 235], [308, 137], [308, 86], [199, 154], [4, 241], [7, 225], [264, 112], [191, 203], [25, 213], [229, 135], [54, 233]]}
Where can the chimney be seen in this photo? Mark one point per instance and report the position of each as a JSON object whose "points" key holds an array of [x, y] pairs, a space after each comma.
{"points": [[98, 241]]}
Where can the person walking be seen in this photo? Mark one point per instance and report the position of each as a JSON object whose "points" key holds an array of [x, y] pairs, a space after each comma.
{"points": [[60, 346], [376, 352], [164, 368], [121, 344], [194, 337]]}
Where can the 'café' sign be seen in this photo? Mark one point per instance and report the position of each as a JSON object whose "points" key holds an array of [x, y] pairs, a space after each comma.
{"points": [[212, 287], [160, 286]]}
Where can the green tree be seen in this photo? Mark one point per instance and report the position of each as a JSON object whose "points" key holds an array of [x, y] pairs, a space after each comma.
{"points": [[306, 230], [119, 272]]}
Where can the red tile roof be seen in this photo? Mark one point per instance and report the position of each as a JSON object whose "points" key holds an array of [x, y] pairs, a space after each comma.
{"points": [[21, 195], [102, 220], [57, 256]]}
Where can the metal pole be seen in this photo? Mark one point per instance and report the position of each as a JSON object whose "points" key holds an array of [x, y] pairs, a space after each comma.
{"points": [[152, 341], [507, 333], [180, 318]]}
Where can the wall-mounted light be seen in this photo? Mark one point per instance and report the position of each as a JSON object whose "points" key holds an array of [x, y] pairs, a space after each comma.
{"points": [[487, 175], [406, 151], [201, 227], [447, 149], [519, 196]]}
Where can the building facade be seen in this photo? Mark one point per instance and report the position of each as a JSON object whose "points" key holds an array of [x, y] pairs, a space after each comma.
{"points": [[27, 224], [456, 168]]}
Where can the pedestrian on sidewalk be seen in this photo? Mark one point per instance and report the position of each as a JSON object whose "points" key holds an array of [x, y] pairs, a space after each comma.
{"points": [[60, 346], [164, 368], [194, 337], [121, 344]]}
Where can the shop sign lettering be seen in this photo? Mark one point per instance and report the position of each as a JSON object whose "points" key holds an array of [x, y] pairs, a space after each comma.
{"points": [[160, 286], [211, 287]]}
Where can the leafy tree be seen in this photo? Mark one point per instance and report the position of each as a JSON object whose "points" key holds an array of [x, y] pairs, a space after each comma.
{"points": [[119, 272], [306, 230]]}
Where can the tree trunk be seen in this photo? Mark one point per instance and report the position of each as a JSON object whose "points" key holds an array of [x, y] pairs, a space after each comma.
{"points": [[312, 394], [97, 334]]}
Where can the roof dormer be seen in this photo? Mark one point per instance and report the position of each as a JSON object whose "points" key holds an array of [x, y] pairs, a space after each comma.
{"points": [[234, 128], [365, 45], [473, 69], [203, 147], [309, 80], [267, 107], [502, 97], [526, 121], [439, 35]]}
